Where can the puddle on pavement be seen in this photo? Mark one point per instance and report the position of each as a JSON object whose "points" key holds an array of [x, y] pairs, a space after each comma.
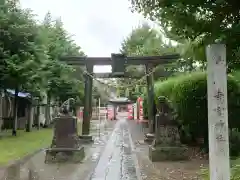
{"points": [[95, 156]]}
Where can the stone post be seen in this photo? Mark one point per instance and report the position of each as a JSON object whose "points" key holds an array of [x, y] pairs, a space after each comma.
{"points": [[218, 112]]}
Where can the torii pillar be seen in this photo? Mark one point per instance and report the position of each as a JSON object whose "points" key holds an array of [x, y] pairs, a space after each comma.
{"points": [[87, 112], [149, 137]]}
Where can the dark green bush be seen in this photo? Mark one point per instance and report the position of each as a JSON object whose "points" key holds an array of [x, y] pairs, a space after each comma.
{"points": [[234, 142], [188, 94], [145, 100]]}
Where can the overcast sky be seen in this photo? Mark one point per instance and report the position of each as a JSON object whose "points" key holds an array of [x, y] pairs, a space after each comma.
{"points": [[98, 26]]}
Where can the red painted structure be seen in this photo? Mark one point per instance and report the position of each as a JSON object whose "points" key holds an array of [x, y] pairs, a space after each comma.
{"points": [[80, 113], [110, 112], [130, 111], [140, 108]]}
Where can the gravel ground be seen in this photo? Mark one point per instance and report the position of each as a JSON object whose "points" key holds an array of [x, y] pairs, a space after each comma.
{"points": [[163, 170]]}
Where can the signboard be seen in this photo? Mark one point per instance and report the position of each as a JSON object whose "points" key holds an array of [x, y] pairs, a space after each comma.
{"points": [[118, 65], [135, 111]]}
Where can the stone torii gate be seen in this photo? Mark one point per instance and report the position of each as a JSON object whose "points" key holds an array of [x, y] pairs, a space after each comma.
{"points": [[118, 63]]}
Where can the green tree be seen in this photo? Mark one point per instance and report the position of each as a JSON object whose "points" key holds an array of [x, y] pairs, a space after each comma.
{"points": [[143, 41], [19, 53], [29, 57], [200, 21], [59, 77]]}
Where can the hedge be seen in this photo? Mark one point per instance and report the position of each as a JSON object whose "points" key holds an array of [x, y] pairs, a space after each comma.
{"points": [[188, 93]]}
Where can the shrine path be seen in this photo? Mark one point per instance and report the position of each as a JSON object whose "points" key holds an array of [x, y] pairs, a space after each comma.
{"points": [[117, 160]]}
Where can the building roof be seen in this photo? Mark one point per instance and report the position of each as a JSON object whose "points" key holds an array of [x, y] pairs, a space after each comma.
{"points": [[20, 94], [120, 100]]}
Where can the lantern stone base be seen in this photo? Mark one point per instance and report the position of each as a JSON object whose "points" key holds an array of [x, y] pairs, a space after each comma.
{"points": [[160, 153], [64, 155], [149, 138], [86, 138]]}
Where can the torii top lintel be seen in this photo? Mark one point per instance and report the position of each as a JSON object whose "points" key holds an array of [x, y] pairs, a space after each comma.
{"points": [[136, 60]]}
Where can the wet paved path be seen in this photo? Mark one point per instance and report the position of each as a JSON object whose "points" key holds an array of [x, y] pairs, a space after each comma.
{"points": [[117, 160], [36, 169]]}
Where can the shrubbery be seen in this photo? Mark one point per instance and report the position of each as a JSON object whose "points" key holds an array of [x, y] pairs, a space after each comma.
{"points": [[234, 142], [188, 93]]}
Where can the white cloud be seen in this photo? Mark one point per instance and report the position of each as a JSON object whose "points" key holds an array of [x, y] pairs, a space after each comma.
{"points": [[98, 26]]}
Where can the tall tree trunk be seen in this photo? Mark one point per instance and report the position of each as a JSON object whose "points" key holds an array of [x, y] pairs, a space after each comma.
{"points": [[38, 116], [15, 112], [30, 117], [47, 111]]}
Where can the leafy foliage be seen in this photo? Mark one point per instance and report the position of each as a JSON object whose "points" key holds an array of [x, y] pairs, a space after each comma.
{"points": [[143, 41], [188, 93], [20, 54], [29, 55], [234, 142], [29, 52], [200, 21], [59, 77]]}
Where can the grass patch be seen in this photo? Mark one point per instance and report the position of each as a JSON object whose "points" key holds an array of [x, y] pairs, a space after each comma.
{"points": [[235, 171], [12, 148]]}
